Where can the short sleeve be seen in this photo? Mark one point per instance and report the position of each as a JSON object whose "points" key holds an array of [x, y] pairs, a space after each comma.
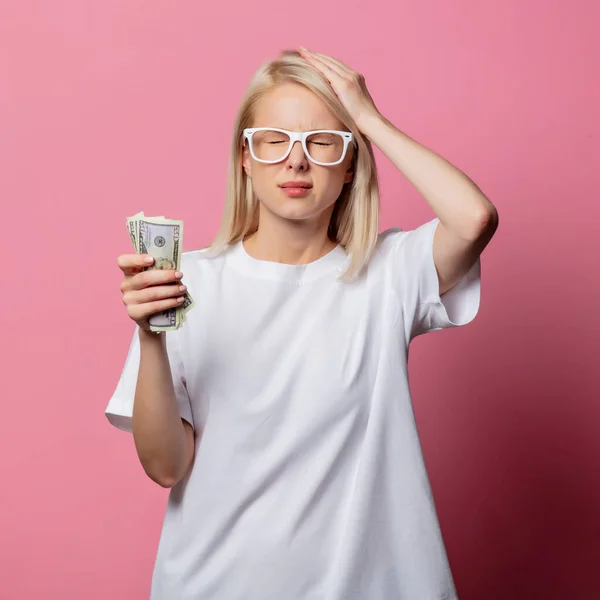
{"points": [[119, 411], [417, 284]]}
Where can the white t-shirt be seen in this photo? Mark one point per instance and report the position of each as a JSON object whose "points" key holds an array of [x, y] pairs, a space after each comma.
{"points": [[308, 481]]}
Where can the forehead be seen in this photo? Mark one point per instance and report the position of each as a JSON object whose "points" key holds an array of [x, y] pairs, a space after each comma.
{"points": [[294, 107]]}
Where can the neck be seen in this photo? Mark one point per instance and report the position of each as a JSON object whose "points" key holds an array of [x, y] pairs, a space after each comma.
{"points": [[289, 242]]}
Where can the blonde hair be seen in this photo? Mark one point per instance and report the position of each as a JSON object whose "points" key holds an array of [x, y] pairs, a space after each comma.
{"points": [[355, 219]]}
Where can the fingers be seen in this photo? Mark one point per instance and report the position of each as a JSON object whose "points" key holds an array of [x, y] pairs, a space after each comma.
{"points": [[318, 64], [134, 263], [141, 312], [336, 65], [153, 294], [329, 63], [148, 291], [152, 277]]}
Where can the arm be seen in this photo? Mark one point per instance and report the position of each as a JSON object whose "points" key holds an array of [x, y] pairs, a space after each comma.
{"points": [[468, 220], [164, 441]]}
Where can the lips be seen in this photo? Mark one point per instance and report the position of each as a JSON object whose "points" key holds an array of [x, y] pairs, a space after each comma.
{"points": [[296, 184]]}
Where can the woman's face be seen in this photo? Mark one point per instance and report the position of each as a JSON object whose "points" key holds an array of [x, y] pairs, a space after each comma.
{"points": [[295, 108]]}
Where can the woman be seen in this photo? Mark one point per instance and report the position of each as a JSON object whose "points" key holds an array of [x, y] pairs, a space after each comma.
{"points": [[280, 414]]}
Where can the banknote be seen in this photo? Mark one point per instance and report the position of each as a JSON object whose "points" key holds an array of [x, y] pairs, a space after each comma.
{"points": [[162, 238]]}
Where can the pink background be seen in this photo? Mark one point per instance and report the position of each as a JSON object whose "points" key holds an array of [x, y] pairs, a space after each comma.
{"points": [[108, 108]]}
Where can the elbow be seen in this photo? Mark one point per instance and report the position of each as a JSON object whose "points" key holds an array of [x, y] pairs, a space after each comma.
{"points": [[165, 480], [168, 468], [167, 483], [488, 220], [167, 476], [484, 226], [490, 226]]}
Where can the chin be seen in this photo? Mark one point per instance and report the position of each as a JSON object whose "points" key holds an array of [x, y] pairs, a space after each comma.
{"points": [[297, 214], [300, 208]]}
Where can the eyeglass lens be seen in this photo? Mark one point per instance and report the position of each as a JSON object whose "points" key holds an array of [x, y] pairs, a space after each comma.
{"points": [[273, 145]]}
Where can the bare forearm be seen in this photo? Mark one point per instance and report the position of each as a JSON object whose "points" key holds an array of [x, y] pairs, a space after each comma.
{"points": [[460, 205], [159, 434]]}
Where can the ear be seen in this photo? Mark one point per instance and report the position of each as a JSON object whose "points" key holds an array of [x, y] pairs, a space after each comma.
{"points": [[349, 175], [246, 162]]}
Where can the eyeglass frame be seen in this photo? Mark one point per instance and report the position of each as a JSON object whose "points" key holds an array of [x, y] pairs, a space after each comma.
{"points": [[298, 136]]}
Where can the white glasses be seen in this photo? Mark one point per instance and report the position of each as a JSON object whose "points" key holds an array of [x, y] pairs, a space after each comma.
{"points": [[326, 147]]}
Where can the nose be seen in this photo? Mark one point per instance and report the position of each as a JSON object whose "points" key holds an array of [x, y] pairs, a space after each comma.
{"points": [[297, 159]]}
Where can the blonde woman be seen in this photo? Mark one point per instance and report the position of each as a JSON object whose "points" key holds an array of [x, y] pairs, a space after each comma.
{"points": [[280, 414]]}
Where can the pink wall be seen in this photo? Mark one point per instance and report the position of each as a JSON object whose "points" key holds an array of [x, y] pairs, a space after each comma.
{"points": [[108, 108]]}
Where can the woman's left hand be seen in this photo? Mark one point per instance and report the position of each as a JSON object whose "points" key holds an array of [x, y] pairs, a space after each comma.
{"points": [[349, 86]]}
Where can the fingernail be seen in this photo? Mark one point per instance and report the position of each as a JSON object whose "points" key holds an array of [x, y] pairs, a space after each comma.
{"points": [[182, 288], [179, 274], [148, 259]]}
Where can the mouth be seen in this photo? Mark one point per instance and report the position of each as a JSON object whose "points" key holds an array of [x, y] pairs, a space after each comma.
{"points": [[295, 185]]}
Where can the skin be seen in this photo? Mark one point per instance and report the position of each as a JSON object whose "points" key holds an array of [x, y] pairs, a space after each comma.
{"points": [[147, 292], [468, 220], [294, 230], [164, 441]]}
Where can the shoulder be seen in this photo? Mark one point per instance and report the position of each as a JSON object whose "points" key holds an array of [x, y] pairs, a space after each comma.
{"points": [[396, 240], [386, 239]]}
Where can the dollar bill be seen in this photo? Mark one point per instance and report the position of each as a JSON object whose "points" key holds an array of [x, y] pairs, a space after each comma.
{"points": [[161, 238]]}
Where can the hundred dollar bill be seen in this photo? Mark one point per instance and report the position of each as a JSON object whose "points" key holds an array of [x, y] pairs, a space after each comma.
{"points": [[162, 238]]}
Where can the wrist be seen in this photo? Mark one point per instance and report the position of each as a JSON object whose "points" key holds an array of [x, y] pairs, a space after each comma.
{"points": [[151, 337], [370, 123]]}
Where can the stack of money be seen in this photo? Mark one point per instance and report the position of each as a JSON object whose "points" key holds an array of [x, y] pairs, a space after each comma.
{"points": [[163, 239]]}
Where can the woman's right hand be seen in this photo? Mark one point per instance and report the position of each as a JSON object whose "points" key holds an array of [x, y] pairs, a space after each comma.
{"points": [[147, 292]]}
